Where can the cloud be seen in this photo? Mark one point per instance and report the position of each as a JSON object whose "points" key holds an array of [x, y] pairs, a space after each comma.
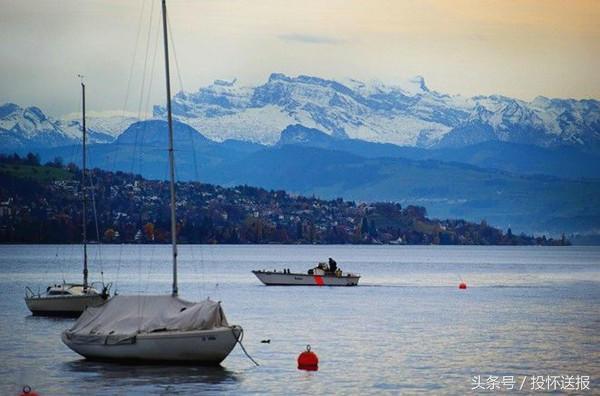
{"points": [[309, 38]]}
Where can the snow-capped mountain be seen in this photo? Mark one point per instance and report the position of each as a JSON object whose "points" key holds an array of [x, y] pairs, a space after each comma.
{"points": [[110, 124], [408, 114], [29, 128]]}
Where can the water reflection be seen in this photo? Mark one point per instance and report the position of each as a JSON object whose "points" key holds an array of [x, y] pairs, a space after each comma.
{"points": [[120, 374], [68, 321]]}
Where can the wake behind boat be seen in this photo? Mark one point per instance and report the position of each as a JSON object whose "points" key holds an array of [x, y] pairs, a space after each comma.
{"points": [[324, 274]]}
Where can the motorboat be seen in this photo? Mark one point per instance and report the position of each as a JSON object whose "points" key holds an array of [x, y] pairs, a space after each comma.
{"points": [[321, 275]]}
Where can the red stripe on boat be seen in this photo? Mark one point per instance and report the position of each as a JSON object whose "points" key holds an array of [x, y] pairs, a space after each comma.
{"points": [[318, 280]]}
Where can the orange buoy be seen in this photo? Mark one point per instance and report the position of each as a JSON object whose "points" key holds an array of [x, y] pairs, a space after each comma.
{"points": [[308, 360], [462, 285]]}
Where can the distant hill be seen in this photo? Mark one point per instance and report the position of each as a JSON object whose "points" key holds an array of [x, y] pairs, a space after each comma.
{"points": [[307, 161], [41, 204], [448, 190], [567, 162]]}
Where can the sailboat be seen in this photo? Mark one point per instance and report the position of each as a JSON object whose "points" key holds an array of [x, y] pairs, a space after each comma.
{"points": [[70, 299], [156, 328]]}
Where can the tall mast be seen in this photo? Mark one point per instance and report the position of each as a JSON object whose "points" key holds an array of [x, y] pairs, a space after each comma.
{"points": [[83, 192], [171, 153]]}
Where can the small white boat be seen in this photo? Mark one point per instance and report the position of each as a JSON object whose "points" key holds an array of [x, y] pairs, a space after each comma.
{"points": [[66, 299], [70, 299], [322, 275]]}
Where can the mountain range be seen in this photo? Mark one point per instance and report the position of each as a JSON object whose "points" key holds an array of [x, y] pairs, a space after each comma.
{"points": [[410, 114], [528, 165], [29, 128]]}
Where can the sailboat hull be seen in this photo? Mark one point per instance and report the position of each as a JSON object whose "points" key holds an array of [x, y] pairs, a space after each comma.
{"points": [[204, 347], [69, 306]]}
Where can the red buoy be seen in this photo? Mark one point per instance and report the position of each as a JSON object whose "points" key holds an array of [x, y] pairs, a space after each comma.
{"points": [[27, 391], [462, 285], [308, 360]]}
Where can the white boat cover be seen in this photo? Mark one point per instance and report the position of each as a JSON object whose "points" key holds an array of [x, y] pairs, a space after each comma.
{"points": [[121, 318]]}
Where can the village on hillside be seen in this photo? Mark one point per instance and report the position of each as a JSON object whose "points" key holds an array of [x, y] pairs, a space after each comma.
{"points": [[42, 204]]}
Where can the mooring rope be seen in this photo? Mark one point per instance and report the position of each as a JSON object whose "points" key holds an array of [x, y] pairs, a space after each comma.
{"points": [[239, 341]]}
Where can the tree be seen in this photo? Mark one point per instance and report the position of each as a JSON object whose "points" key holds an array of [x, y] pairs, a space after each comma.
{"points": [[32, 159], [372, 228], [149, 231], [109, 235], [364, 226], [57, 162], [418, 212]]}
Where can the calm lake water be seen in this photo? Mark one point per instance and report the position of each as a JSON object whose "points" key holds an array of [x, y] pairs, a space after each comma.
{"points": [[528, 311]]}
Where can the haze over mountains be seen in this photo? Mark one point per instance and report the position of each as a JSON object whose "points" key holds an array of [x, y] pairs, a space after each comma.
{"points": [[529, 165]]}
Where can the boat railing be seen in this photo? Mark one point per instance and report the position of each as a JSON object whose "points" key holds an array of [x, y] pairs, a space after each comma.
{"points": [[29, 293], [103, 287]]}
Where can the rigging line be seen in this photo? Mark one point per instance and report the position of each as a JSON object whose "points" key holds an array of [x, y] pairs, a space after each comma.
{"points": [[194, 159], [117, 152], [135, 48], [60, 263], [212, 260], [142, 152], [142, 88], [70, 153], [98, 247], [119, 267], [152, 66], [73, 157], [95, 212], [151, 267], [194, 156], [139, 268], [191, 247], [172, 39], [148, 40], [202, 270], [192, 140]]}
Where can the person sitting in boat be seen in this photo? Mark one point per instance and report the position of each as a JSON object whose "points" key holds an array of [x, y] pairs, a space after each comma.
{"points": [[338, 272], [332, 265]]}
